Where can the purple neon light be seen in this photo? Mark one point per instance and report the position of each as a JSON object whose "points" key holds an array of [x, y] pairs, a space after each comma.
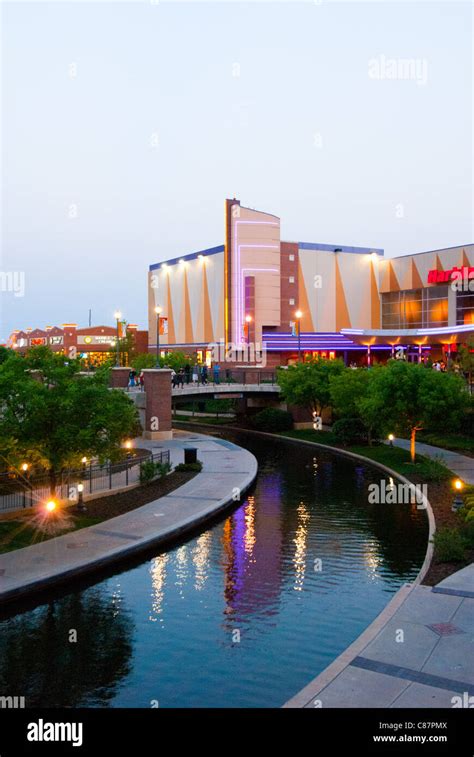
{"points": [[238, 306]]}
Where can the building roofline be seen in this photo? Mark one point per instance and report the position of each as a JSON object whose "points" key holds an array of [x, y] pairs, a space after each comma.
{"points": [[189, 256], [425, 252], [340, 248]]}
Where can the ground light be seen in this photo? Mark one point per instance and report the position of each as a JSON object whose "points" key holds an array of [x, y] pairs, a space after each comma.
{"points": [[458, 500], [80, 500], [51, 506], [390, 439]]}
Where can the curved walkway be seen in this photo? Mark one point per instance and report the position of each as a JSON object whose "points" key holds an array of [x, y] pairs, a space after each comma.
{"points": [[228, 470], [417, 653], [461, 465]]}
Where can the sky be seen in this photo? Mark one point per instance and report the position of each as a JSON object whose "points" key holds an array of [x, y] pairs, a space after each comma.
{"points": [[125, 125]]}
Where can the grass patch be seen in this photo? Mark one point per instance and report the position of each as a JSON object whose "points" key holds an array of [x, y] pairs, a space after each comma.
{"points": [[455, 442], [394, 457]]}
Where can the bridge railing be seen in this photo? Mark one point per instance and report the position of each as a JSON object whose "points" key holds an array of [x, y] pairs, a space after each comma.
{"points": [[242, 376]]}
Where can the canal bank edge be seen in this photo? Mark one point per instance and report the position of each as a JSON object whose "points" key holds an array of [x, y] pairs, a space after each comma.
{"points": [[56, 561]]}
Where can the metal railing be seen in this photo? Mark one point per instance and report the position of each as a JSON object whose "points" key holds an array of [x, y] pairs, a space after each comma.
{"points": [[95, 478], [242, 376]]}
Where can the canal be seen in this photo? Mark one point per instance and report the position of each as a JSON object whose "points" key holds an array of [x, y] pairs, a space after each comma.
{"points": [[242, 615]]}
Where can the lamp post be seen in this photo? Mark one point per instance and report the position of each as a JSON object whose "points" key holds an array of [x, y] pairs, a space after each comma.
{"points": [[80, 500], [298, 316], [248, 321], [390, 439], [458, 500], [158, 311], [118, 316], [24, 468]]}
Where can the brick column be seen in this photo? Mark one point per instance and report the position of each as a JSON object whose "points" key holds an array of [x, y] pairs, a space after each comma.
{"points": [[158, 403], [119, 377]]}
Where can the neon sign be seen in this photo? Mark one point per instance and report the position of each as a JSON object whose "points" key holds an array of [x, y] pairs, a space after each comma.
{"points": [[441, 277]]}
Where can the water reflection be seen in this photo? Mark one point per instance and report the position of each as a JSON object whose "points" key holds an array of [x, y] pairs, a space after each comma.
{"points": [[75, 651], [299, 569]]}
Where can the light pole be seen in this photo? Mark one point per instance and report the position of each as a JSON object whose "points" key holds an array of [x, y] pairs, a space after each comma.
{"points": [[298, 316], [248, 321], [458, 501], [158, 311], [118, 316]]}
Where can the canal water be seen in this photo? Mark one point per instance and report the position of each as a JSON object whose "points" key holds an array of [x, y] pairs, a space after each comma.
{"points": [[242, 615]]}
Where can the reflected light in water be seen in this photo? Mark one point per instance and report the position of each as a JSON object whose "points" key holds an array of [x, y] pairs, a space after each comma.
{"points": [[299, 559], [158, 578], [250, 536], [201, 559]]}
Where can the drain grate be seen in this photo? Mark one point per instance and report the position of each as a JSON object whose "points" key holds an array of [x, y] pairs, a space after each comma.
{"points": [[445, 629]]}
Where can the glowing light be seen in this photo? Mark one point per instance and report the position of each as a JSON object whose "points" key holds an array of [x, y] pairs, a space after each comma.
{"points": [[80, 487], [51, 505], [374, 256], [117, 315], [128, 444], [158, 309], [298, 314], [84, 460], [24, 467], [201, 258], [458, 484], [391, 437], [248, 319]]}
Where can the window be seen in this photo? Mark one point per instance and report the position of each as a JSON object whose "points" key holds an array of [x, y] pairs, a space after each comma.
{"points": [[291, 258], [415, 308], [291, 301], [464, 308], [291, 279]]}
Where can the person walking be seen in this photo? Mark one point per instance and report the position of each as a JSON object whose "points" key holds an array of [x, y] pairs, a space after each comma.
{"points": [[181, 378], [204, 374], [141, 380], [187, 373], [216, 371]]}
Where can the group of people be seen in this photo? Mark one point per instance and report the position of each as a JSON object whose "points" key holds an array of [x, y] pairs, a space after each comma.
{"points": [[135, 380], [197, 374]]}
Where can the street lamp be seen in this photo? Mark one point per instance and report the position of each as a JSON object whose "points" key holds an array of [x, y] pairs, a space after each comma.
{"points": [[118, 316], [80, 500], [298, 316], [158, 311], [248, 321], [458, 500], [51, 506]]}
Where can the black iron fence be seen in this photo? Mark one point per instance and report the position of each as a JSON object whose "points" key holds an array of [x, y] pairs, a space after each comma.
{"points": [[21, 492]]}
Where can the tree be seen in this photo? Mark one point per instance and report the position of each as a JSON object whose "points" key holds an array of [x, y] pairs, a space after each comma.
{"points": [[52, 417], [466, 359], [407, 397], [308, 384], [350, 391], [145, 360]]}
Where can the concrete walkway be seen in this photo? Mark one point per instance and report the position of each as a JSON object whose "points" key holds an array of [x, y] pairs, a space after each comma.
{"points": [[419, 652], [228, 471], [461, 465]]}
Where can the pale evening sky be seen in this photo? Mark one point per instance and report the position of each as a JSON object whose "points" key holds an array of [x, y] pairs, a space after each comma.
{"points": [[125, 125]]}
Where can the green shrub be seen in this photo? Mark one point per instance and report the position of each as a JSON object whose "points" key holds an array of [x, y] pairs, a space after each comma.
{"points": [[273, 419], [188, 467], [468, 532], [450, 545], [349, 431], [150, 470]]}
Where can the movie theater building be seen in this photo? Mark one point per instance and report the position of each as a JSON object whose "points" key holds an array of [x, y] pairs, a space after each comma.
{"points": [[256, 289], [92, 343]]}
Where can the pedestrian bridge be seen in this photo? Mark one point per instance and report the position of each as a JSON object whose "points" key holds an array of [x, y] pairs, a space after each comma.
{"points": [[224, 391]]}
